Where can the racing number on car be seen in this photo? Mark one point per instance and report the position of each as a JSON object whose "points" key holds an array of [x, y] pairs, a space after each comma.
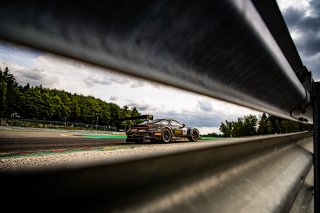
{"points": [[185, 131], [178, 132]]}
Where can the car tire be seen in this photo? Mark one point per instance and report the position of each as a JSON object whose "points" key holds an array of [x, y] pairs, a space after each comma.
{"points": [[166, 135], [194, 135]]}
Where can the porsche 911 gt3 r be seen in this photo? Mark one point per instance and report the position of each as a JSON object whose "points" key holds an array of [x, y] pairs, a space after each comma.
{"points": [[165, 130]]}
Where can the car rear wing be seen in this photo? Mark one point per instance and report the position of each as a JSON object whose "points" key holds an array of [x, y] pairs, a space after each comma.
{"points": [[141, 117]]}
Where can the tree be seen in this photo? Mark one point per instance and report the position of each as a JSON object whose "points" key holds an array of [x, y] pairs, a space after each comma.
{"points": [[8, 93], [268, 124], [126, 112], [249, 125], [43, 103], [264, 125], [226, 129], [245, 126], [3, 98]]}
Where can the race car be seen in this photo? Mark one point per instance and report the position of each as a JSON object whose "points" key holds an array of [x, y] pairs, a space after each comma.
{"points": [[159, 130]]}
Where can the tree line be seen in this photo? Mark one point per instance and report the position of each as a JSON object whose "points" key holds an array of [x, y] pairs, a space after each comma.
{"points": [[267, 124], [36, 102]]}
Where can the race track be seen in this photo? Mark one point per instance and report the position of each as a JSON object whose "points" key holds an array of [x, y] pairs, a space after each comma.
{"points": [[23, 139], [15, 139]]}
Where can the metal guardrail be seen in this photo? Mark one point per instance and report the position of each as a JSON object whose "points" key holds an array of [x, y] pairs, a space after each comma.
{"points": [[237, 51], [316, 148]]}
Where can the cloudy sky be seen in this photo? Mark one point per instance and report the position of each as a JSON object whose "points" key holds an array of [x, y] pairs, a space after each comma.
{"points": [[303, 20], [36, 67]]}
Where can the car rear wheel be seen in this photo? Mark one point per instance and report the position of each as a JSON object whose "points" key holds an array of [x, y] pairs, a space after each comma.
{"points": [[166, 135], [194, 135]]}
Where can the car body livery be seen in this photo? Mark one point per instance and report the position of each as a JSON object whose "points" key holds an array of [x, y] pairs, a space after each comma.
{"points": [[164, 130]]}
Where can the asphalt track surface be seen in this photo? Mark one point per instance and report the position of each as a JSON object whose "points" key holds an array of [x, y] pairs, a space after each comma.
{"points": [[38, 143], [13, 140]]}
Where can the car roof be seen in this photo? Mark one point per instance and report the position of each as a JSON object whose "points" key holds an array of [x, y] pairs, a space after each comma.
{"points": [[165, 119]]}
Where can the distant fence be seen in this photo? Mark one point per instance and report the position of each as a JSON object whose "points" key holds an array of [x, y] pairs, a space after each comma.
{"points": [[53, 124]]}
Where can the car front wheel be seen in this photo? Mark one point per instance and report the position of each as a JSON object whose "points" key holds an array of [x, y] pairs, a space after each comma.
{"points": [[194, 135]]}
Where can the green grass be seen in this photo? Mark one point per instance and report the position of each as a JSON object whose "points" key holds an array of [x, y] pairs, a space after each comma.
{"points": [[210, 138]]}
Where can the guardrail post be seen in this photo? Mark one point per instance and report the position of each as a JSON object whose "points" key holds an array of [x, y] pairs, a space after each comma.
{"points": [[316, 138]]}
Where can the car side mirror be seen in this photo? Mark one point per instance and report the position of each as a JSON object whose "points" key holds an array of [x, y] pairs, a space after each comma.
{"points": [[183, 125]]}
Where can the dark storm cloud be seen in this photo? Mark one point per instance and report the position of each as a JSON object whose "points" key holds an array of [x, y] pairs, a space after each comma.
{"points": [[315, 5], [292, 16], [308, 26], [107, 80], [314, 66], [33, 76], [92, 80]]}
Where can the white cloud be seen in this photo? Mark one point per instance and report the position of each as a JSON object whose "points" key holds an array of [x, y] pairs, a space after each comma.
{"points": [[150, 98], [207, 130], [17, 55], [137, 84], [284, 4]]}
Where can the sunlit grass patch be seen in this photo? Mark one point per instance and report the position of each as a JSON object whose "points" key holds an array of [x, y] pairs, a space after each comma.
{"points": [[211, 138]]}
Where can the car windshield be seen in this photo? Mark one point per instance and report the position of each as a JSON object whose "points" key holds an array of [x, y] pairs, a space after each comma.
{"points": [[175, 123]]}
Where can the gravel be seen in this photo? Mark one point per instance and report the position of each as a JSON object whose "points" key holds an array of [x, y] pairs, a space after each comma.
{"points": [[79, 158]]}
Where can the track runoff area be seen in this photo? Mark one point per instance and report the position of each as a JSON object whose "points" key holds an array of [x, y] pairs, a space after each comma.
{"points": [[15, 140]]}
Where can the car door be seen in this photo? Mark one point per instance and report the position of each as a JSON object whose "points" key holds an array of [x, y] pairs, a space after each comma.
{"points": [[177, 127]]}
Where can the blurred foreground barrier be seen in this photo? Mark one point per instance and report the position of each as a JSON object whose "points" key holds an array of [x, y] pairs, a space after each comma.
{"points": [[259, 174]]}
